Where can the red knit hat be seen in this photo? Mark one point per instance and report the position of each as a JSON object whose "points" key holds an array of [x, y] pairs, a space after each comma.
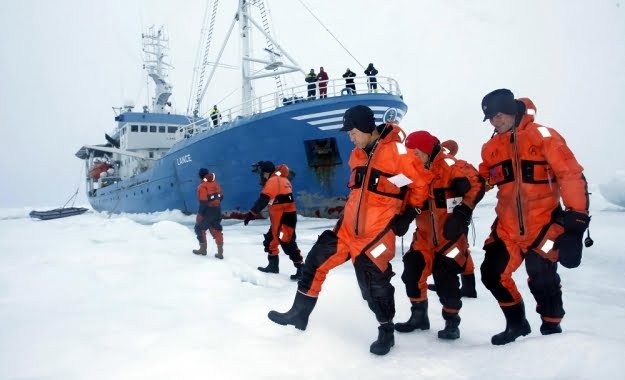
{"points": [[423, 141]]}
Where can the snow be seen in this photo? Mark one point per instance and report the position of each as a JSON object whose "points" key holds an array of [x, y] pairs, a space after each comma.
{"points": [[614, 189], [122, 297]]}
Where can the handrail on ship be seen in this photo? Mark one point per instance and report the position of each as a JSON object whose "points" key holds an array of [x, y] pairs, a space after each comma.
{"points": [[291, 95]]}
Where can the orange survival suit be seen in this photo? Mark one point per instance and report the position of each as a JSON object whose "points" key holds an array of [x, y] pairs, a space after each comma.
{"points": [[209, 195], [364, 233], [277, 194], [533, 169]]}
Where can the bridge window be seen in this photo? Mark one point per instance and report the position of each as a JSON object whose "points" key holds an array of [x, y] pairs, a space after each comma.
{"points": [[144, 128], [161, 129], [134, 128], [171, 129], [322, 152], [151, 154], [153, 128]]}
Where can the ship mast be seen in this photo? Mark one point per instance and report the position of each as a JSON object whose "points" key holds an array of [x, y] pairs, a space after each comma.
{"points": [[155, 46], [272, 67], [244, 31]]}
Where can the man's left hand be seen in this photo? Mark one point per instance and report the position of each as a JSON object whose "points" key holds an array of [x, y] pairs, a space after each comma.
{"points": [[457, 223], [249, 216]]}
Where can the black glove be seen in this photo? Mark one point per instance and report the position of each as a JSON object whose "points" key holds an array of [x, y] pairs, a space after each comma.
{"points": [[569, 244], [457, 223], [401, 223], [249, 216], [460, 186]]}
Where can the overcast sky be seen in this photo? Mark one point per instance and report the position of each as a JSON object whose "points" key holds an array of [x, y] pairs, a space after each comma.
{"points": [[65, 63]]}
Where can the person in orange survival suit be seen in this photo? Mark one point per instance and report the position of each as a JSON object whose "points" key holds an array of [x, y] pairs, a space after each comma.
{"points": [[439, 245], [375, 213], [467, 277], [209, 194], [277, 193], [533, 168]]}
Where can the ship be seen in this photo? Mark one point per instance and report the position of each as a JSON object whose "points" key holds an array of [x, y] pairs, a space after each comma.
{"points": [[150, 161]]}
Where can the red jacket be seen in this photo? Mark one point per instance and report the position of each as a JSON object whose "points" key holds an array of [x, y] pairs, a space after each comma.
{"points": [[322, 77]]}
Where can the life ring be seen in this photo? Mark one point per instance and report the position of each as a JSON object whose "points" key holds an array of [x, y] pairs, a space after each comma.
{"points": [[347, 91]]}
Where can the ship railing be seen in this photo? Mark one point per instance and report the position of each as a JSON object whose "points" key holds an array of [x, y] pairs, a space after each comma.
{"points": [[289, 96]]}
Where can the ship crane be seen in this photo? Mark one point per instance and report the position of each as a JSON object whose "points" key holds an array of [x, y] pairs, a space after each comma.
{"points": [[278, 63]]}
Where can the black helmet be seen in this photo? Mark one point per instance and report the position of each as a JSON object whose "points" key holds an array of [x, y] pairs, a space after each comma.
{"points": [[203, 172], [266, 167]]}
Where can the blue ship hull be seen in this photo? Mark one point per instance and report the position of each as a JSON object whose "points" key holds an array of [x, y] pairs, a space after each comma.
{"points": [[282, 136]]}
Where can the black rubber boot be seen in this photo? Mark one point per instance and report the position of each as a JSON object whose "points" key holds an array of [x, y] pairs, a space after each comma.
{"points": [[298, 275], [273, 266], [516, 325], [468, 286], [432, 287], [418, 319], [220, 252], [202, 250], [386, 339], [298, 315], [451, 330], [548, 328]]}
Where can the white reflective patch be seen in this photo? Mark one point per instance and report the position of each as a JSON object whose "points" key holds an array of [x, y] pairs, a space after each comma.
{"points": [[278, 173], [531, 111], [450, 161], [402, 136], [401, 148], [325, 121], [453, 253], [281, 235], [400, 180], [452, 202], [445, 150], [377, 251], [333, 126], [320, 114], [544, 131], [548, 246]]}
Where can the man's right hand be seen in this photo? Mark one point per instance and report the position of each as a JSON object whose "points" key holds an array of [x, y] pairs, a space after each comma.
{"points": [[401, 223], [249, 216]]}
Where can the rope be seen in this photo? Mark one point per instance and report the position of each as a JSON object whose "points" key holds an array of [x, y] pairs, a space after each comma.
{"points": [[77, 188], [337, 40], [332, 34]]}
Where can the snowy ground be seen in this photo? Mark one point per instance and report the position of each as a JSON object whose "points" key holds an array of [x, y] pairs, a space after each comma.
{"points": [[122, 297]]}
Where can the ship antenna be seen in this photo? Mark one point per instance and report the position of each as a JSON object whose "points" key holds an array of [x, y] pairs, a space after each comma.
{"points": [[155, 47]]}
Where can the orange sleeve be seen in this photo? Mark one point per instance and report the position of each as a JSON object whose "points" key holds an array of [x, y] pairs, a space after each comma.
{"points": [[476, 192], [421, 178], [272, 187], [484, 172], [569, 173], [202, 193]]}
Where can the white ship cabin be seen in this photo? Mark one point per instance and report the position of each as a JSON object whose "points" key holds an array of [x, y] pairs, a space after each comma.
{"points": [[138, 141], [149, 135]]}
